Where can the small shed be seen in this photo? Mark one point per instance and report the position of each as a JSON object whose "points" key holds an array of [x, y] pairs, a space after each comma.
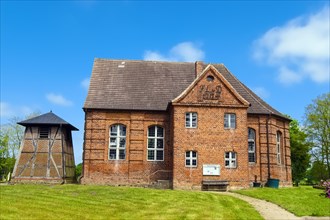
{"points": [[46, 153]]}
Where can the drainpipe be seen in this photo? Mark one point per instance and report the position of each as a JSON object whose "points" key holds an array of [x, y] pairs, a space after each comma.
{"points": [[267, 132]]}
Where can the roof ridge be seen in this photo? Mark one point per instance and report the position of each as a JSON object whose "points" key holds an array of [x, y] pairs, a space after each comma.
{"points": [[151, 61]]}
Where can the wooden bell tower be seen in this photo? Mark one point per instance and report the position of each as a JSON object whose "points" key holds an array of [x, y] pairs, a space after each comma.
{"points": [[46, 153]]}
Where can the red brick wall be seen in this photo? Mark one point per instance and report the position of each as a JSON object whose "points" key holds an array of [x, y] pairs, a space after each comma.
{"points": [[135, 169], [210, 140], [280, 171]]}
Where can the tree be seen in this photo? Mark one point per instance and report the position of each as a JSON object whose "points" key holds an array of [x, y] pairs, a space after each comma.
{"points": [[317, 172], [78, 171], [11, 136], [317, 125], [300, 156]]}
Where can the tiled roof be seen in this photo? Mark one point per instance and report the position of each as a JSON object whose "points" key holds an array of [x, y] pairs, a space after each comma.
{"points": [[47, 119], [151, 85]]}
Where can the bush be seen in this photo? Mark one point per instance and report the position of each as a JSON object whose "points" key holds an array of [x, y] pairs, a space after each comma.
{"points": [[78, 171], [326, 185]]}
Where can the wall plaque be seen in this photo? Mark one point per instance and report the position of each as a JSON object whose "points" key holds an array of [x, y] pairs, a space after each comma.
{"points": [[211, 170]]}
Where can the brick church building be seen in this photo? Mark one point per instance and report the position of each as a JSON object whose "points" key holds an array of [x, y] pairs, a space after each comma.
{"points": [[180, 122]]}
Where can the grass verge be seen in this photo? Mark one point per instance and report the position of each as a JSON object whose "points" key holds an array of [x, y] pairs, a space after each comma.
{"points": [[105, 202], [302, 201]]}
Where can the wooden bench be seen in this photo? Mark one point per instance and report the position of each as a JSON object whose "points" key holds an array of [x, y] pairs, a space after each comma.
{"points": [[214, 185]]}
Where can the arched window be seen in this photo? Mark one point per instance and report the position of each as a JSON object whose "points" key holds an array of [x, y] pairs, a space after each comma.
{"points": [[117, 146], [252, 145], [278, 146], [155, 143]]}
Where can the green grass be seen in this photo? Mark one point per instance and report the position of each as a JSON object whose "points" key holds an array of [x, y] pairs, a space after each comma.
{"points": [[105, 202], [302, 201]]}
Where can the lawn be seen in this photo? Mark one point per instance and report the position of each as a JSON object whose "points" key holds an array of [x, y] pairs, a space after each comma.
{"points": [[105, 202], [302, 201]]}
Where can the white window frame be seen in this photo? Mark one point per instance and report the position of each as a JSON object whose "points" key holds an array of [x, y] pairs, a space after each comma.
{"points": [[232, 159], [155, 138], [116, 146], [230, 121], [252, 141], [191, 158], [278, 147], [189, 119]]}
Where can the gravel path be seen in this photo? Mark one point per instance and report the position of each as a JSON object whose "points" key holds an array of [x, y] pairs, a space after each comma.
{"points": [[272, 211]]}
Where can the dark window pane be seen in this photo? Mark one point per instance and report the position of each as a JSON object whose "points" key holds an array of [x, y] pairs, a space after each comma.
{"points": [[251, 134], [113, 130], [151, 143], [233, 155], [227, 163], [233, 121], [194, 162], [159, 155], [122, 142], [112, 154], [226, 121], [251, 157], [113, 142], [160, 132], [121, 154], [187, 162], [188, 120], [122, 130], [151, 155], [188, 154], [251, 146], [227, 155], [194, 154], [194, 120], [160, 143], [151, 131]]}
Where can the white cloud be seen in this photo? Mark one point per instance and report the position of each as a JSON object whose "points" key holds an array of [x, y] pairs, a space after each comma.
{"points": [[85, 83], [298, 49], [185, 51], [58, 99], [6, 110], [261, 92]]}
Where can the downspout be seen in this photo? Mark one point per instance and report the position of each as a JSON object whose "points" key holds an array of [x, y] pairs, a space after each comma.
{"points": [[267, 133]]}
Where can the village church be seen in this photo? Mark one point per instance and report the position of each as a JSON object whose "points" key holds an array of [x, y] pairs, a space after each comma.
{"points": [[186, 125]]}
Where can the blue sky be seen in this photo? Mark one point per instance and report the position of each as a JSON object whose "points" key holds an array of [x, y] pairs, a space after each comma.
{"points": [[278, 49]]}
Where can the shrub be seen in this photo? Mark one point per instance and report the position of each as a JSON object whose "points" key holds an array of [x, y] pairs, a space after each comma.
{"points": [[326, 185], [78, 171]]}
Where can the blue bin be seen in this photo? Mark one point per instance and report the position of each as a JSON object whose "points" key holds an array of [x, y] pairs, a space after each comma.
{"points": [[273, 183]]}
